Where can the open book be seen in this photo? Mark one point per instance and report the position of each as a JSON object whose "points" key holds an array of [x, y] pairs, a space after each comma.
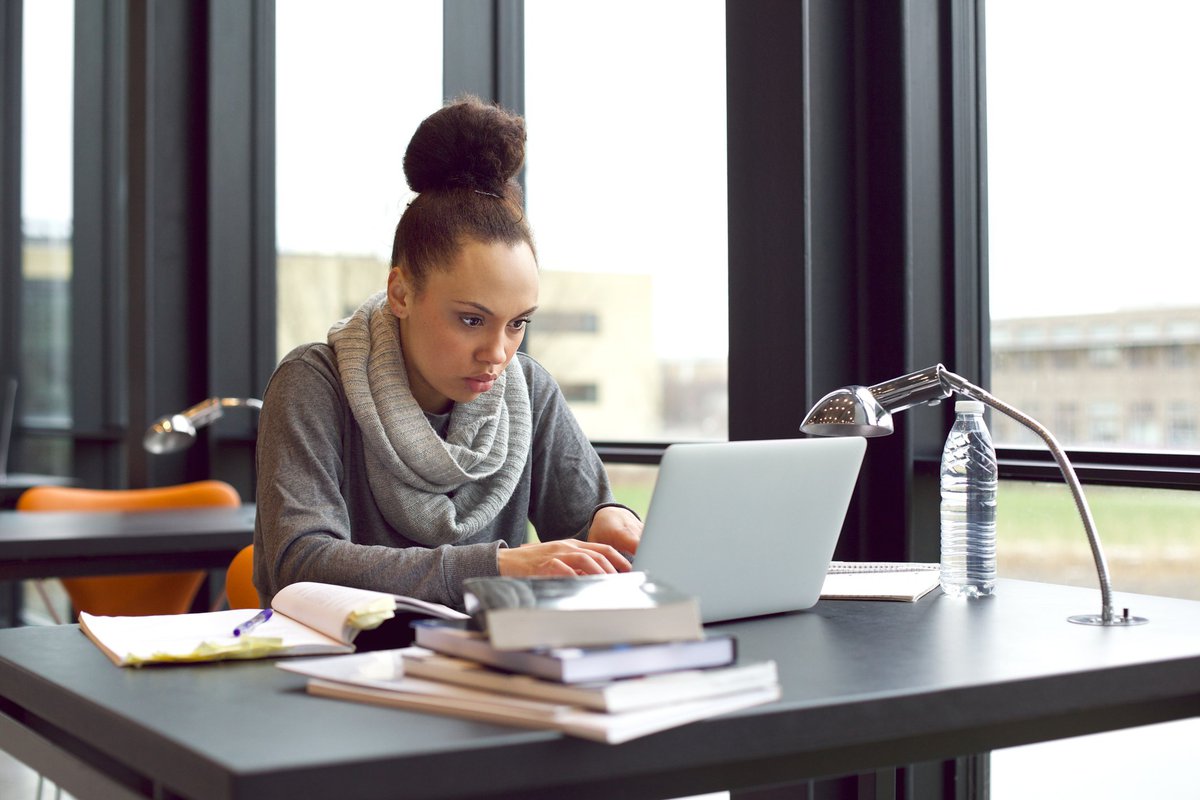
{"points": [[306, 618]]}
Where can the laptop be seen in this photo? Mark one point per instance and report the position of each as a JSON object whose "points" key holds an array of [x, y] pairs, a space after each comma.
{"points": [[749, 527]]}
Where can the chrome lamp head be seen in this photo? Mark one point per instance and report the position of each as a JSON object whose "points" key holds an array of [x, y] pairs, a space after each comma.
{"points": [[176, 432], [867, 411]]}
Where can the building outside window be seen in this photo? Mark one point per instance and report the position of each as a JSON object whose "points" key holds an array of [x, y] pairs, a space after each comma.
{"points": [[627, 194], [347, 102]]}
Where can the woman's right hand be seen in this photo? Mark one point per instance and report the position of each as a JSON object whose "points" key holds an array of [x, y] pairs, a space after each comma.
{"points": [[565, 557]]}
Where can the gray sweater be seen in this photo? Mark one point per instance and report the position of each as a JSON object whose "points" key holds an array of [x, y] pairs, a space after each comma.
{"points": [[318, 521]]}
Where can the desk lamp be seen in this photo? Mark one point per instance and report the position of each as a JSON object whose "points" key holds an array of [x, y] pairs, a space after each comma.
{"points": [[867, 411], [177, 432]]}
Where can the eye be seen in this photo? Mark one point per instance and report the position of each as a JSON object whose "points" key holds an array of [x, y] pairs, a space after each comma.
{"points": [[520, 324], [471, 321]]}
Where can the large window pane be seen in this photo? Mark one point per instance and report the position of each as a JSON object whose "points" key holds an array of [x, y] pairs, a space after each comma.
{"points": [[46, 198], [626, 190], [43, 376], [353, 81], [1095, 277]]}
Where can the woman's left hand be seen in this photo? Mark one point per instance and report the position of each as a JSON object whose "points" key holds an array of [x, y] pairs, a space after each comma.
{"points": [[617, 527]]}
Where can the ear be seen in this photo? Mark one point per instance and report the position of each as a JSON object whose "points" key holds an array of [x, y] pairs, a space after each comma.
{"points": [[400, 293]]}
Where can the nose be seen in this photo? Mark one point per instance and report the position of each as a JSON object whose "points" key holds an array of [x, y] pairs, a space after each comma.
{"points": [[493, 350]]}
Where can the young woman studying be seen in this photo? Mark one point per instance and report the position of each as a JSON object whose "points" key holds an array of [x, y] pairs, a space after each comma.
{"points": [[412, 448]]}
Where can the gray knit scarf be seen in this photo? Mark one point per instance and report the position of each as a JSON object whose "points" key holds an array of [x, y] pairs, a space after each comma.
{"points": [[431, 490]]}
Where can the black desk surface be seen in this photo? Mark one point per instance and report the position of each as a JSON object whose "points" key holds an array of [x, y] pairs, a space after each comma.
{"points": [[55, 544], [865, 685]]}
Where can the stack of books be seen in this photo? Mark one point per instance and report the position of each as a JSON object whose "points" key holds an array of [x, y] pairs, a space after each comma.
{"points": [[608, 658]]}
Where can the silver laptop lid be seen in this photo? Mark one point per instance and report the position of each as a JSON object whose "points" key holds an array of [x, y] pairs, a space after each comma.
{"points": [[749, 527]]}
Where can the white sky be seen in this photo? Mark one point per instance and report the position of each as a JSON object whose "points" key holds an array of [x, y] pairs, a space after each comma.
{"points": [[46, 188], [1093, 125], [353, 82], [1092, 131]]}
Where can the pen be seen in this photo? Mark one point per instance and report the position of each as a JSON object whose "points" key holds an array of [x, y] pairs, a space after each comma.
{"points": [[253, 622]]}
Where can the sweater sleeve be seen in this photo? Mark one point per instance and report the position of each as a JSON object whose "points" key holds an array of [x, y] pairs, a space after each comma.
{"points": [[569, 481], [315, 519]]}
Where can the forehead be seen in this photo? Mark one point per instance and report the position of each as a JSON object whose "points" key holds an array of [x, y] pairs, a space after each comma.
{"points": [[502, 277]]}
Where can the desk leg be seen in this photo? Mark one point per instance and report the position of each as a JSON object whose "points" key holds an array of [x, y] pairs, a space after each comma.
{"points": [[966, 778], [10, 604]]}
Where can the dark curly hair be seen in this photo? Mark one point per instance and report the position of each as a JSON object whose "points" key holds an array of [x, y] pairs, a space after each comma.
{"points": [[462, 162]]}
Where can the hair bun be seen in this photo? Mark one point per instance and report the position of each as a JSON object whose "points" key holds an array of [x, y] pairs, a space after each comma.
{"points": [[468, 144]]}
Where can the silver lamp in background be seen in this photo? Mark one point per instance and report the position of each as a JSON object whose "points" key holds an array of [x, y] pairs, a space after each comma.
{"points": [[177, 432], [867, 411]]}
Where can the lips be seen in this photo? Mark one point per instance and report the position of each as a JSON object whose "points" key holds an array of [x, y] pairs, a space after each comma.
{"points": [[481, 383]]}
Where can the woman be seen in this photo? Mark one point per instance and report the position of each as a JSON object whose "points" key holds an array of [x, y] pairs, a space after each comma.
{"points": [[411, 450]]}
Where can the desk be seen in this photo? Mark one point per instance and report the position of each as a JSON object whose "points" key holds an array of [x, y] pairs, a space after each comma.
{"points": [[52, 544], [865, 685]]}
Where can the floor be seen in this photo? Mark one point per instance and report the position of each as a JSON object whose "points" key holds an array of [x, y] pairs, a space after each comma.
{"points": [[18, 782]]}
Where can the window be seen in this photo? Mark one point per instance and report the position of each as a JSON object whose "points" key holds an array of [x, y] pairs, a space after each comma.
{"points": [[351, 88], [46, 220], [1100, 185], [627, 195]]}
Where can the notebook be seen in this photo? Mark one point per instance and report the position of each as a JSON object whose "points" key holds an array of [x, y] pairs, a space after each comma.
{"points": [[749, 527]]}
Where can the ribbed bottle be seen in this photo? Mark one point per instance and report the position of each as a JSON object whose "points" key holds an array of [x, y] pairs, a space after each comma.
{"points": [[968, 481]]}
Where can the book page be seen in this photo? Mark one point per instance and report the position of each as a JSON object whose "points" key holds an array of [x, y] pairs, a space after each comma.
{"points": [[339, 612]]}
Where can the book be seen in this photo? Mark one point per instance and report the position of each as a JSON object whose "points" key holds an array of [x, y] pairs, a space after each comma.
{"points": [[613, 696], [305, 618], [378, 678], [577, 664], [880, 580], [580, 611]]}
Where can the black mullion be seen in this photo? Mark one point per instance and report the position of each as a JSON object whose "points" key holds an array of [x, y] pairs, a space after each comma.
{"points": [[11, 51], [99, 280]]}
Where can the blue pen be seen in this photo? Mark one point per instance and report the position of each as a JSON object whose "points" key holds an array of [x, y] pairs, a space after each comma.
{"points": [[253, 622]]}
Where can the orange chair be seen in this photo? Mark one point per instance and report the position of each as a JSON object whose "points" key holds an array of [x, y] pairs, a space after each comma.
{"points": [[239, 580], [132, 595]]}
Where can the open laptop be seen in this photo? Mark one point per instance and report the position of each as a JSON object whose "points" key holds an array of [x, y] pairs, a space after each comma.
{"points": [[749, 527]]}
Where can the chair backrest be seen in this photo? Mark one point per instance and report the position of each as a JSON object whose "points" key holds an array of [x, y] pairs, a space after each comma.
{"points": [[132, 595], [182, 495], [239, 580]]}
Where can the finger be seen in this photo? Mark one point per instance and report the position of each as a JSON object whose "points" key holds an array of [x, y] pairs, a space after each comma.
{"points": [[614, 558], [587, 563], [556, 566]]}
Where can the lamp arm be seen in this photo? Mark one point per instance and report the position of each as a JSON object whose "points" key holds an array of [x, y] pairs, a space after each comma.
{"points": [[249, 402], [211, 409], [962, 386]]}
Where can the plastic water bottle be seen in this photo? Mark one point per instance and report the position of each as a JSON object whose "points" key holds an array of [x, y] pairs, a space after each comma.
{"points": [[968, 505]]}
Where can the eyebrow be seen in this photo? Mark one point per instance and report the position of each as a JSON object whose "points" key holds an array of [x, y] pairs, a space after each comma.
{"points": [[490, 313]]}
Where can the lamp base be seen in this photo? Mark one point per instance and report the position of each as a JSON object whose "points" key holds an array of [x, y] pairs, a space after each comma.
{"points": [[1116, 622]]}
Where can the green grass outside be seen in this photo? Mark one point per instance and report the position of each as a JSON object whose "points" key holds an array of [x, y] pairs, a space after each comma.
{"points": [[1045, 512], [1150, 537]]}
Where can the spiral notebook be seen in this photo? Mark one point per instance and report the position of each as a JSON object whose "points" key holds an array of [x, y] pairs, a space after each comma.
{"points": [[902, 581]]}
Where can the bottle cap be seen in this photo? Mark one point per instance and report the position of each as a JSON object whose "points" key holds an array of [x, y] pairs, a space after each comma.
{"points": [[968, 407]]}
